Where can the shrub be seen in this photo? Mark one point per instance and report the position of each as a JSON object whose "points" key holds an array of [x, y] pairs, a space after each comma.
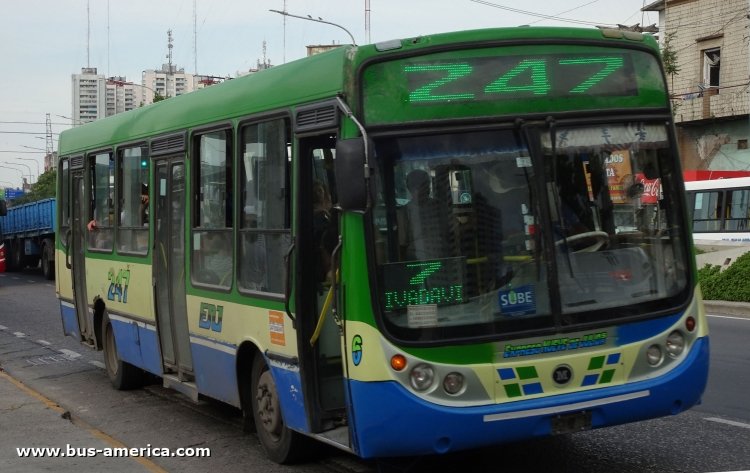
{"points": [[732, 284]]}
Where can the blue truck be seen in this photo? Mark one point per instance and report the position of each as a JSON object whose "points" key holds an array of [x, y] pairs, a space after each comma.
{"points": [[28, 234]]}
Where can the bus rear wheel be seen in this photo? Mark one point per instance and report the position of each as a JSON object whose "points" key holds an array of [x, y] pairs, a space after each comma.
{"points": [[280, 443], [122, 374]]}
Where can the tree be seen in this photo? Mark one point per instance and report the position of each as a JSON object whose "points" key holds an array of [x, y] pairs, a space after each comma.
{"points": [[43, 188], [669, 57], [159, 97]]}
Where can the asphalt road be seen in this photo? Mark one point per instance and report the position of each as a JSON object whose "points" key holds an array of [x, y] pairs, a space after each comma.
{"points": [[712, 437]]}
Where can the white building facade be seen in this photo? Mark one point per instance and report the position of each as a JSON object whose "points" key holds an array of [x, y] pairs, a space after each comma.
{"points": [[89, 96]]}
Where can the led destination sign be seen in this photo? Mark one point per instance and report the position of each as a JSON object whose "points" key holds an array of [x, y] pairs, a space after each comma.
{"points": [[516, 77], [414, 283], [510, 81]]}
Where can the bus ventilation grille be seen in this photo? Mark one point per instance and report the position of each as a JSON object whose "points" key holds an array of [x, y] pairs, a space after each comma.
{"points": [[76, 162], [317, 118], [168, 144]]}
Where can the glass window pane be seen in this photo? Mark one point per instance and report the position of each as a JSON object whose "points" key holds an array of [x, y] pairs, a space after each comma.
{"points": [[102, 195], [133, 200], [214, 181], [264, 222]]}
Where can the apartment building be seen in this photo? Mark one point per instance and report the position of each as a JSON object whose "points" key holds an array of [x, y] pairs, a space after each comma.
{"points": [[710, 90], [169, 81], [89, 96]]}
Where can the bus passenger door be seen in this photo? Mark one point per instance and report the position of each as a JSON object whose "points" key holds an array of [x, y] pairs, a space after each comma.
{"points": [[78, 237], [317, 236], [169, 269]]}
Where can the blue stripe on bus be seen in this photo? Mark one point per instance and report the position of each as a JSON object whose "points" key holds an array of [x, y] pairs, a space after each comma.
{"points": [[137, 344], [70, 320], [215, 373], [390, 421], [637, 331], [289, 390]]}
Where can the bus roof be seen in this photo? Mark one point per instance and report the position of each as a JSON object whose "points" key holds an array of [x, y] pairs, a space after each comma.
{"points": [[266, 90], [302, 81]]}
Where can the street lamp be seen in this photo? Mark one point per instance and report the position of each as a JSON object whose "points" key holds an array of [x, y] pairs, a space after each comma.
{"points": [[35, 162], [15, 169], [318, 20], [24, 165]]}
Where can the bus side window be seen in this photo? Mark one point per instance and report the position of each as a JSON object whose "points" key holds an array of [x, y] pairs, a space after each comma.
{"points": [[212, 225], [264, 233]]}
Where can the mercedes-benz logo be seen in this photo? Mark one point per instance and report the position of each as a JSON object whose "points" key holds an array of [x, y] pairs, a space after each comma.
{"points": [[562, 374]]}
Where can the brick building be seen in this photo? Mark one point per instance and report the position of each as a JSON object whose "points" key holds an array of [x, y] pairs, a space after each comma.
{"points": [[710, 91]]}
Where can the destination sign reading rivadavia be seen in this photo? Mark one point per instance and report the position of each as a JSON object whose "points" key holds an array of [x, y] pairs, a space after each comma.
{"points": [[514, 77], [439, 282]]}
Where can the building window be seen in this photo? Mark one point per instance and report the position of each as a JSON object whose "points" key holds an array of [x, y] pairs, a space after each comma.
{"points": [[711, 67]]}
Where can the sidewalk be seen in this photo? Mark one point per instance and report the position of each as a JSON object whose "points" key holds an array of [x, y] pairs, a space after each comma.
{"points": [[28, 419], [735, 309]]}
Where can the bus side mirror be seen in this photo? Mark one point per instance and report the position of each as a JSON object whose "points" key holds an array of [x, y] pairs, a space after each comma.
{"points": [[3, 208], [351, 182]]}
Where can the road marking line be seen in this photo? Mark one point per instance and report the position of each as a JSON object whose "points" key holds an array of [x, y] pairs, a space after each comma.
{"points": [[3, 327], [19, 334], [148, 464], [98, 364], [728, 422], [44, 342], [69, 353], [727, 317]]}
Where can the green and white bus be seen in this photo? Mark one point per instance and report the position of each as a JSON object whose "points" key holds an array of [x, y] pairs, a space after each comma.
{"points": [[411, 247]]}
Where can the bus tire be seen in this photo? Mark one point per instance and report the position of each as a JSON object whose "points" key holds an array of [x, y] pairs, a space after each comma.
{"points": [[48, 260], [121, 374], [281, 444]]}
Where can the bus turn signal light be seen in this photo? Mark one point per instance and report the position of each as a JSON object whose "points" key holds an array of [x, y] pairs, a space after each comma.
{"points": [[398, 362]]}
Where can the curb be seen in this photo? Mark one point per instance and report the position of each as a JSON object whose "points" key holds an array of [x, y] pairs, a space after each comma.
{"points": [[737, 309]]}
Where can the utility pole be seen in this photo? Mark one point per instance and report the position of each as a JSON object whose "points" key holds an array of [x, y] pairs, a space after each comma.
{"points": [[367, 21], [50, 145]]}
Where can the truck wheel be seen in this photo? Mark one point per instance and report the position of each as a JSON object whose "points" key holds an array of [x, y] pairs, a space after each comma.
{"points": [[16, 256], [48, 260], [122, 374]]}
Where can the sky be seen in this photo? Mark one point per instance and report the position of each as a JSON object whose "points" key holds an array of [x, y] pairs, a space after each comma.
{"points": [[44, 42]]}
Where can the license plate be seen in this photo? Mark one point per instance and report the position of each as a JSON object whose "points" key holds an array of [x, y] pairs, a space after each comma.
{"points": [[573, 422]]}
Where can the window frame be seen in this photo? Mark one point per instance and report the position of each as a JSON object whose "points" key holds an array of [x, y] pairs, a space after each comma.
{"points": [[242, 125], [90, 182], [195, 196], [119, 171]]}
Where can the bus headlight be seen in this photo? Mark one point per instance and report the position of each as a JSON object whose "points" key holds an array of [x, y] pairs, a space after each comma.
{"points": [[453, 383], [653, 355], [675, 344], [422, 376]]}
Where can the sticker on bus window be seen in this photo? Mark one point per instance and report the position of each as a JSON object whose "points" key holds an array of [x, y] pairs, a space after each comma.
{"points": [[517, 301], [424, 315]]}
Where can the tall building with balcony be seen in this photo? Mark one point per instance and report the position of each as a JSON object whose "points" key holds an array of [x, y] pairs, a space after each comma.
{"points": [[167, 82], [89, 96], [710, 90], [95, 96]]}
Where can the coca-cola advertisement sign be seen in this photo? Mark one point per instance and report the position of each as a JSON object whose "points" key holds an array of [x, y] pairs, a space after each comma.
{"points": [[651, 189]]}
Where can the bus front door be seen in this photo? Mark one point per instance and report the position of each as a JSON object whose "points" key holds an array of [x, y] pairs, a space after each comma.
{"points": [[169, 270], [77, 248]]}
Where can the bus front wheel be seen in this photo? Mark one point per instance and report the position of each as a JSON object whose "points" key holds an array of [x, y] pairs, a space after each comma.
{"points": [[280, 443], [122, 374]]}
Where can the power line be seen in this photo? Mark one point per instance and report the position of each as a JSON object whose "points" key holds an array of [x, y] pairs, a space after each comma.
{"points": [[540, 15]]}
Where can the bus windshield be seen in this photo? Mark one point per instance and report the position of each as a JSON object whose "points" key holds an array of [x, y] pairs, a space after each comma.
{"points": [[495, 233]]}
